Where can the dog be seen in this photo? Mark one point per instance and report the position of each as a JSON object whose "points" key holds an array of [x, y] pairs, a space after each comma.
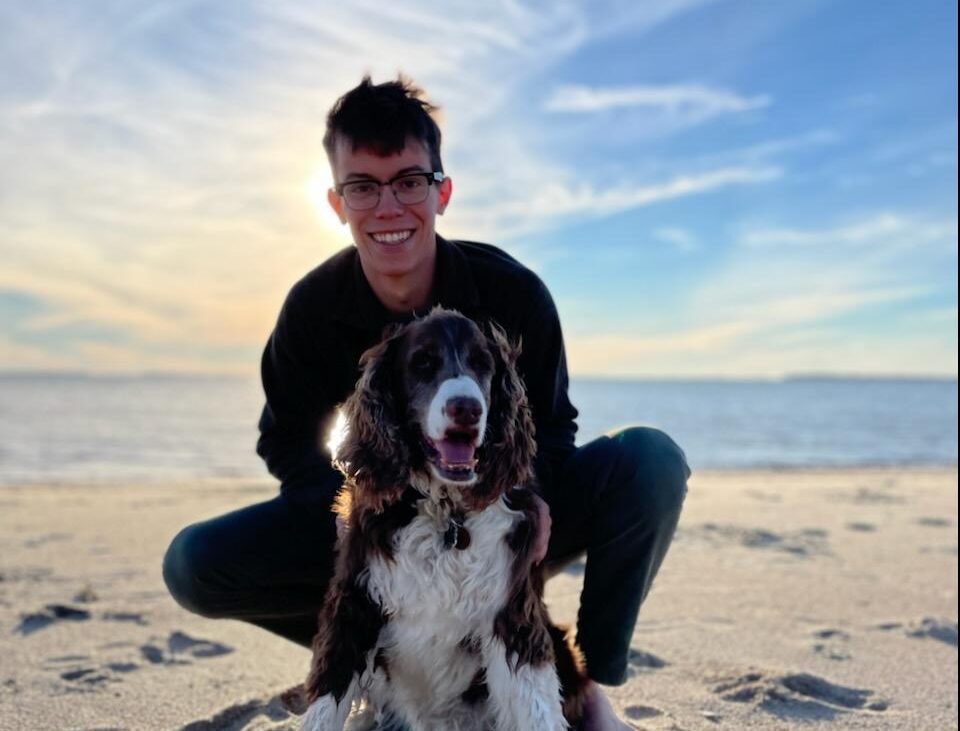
{"points": [[434, 617]]}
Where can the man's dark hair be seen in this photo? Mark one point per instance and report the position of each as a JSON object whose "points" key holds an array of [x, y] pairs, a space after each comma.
{"points": [[382, 117]]}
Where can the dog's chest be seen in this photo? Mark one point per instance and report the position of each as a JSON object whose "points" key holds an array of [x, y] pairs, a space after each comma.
{"points": [[431, 581], [441, 602]]}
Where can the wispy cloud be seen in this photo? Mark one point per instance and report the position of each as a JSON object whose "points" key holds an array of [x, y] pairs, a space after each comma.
{"points": [[692, 101], [551, 202], [878, 228], [154, 156], [679, 238]]}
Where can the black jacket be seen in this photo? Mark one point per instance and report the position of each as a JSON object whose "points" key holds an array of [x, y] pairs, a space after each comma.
{"points": [[331, 316]]}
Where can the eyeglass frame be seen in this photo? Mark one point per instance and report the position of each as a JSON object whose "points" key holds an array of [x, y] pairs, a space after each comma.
{"points": [[431, 176]]}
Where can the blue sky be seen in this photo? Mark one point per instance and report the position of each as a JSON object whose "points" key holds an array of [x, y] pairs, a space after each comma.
{"points": [[737, 189]]}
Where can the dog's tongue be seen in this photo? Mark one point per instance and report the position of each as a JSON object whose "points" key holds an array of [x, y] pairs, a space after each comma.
{"points": [[455, 452]]}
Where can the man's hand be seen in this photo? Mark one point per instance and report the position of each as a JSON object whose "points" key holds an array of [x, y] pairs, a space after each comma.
{"points": [[543, 533]]}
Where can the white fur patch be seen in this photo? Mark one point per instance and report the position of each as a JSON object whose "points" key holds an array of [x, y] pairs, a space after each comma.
{"points": [[438, 421], [434, 598], [525, 697], [325, 714]]}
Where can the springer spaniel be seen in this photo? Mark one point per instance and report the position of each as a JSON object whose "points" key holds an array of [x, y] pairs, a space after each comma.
{"points": [[435, 615]]}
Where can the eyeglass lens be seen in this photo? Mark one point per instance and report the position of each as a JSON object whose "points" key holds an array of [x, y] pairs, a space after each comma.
{"points": [[408, 190]]}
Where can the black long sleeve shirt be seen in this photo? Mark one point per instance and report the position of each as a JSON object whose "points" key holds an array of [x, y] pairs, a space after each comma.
{"points": [[331, 316]]}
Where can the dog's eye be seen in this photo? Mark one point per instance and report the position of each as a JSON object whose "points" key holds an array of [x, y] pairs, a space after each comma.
{"points": [[424, 365], [480, 361]]}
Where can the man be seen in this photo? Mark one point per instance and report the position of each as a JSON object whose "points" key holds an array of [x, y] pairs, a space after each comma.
{"points": [[617, 499]]}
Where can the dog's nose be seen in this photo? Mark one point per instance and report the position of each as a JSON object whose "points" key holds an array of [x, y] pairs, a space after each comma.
{"points": [[463, 410]]}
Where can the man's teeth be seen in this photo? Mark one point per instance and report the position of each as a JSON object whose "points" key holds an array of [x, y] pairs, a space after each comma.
{"points": [[392, 237]]}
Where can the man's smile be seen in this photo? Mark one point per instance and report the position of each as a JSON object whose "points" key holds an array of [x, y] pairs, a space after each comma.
{"points": [[392, 237]]}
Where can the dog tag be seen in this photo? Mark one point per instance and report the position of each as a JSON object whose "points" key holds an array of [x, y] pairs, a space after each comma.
{"points": [[456, 535]]}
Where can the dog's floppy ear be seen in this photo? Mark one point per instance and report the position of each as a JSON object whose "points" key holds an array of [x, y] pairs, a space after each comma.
{"points": [[374, 454], [510, 431]]}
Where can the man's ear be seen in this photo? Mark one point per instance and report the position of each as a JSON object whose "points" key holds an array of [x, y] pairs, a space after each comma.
{"points": [[336, 203], [446, 190]]}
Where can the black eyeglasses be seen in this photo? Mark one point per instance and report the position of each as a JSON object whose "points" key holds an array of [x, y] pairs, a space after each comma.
{"points": [[409, 189]]}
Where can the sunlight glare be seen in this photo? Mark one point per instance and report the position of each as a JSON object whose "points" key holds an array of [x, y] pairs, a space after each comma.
{"points": [[338, 433], [316, 189]]}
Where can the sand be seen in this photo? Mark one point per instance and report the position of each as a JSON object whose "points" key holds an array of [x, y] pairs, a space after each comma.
{"points": [[814, 600]]}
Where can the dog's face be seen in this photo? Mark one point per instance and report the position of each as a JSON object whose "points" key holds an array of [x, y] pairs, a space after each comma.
{"points": [[442, 399], [445, 373]]}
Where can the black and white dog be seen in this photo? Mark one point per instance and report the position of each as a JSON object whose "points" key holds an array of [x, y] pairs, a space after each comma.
{"points": [[434, 617]]}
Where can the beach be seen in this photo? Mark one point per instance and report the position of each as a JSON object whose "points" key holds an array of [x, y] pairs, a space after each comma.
{"points": [[815, 599]]}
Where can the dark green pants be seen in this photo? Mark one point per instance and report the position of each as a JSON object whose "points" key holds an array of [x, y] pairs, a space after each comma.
{"points": [[616, 499]]}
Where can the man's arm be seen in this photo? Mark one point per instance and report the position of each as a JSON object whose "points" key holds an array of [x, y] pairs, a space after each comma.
{"points": [[543, 365], [297, 409]]}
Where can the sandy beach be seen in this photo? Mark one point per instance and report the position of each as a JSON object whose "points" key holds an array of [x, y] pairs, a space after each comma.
{"points": [[800, 599]]}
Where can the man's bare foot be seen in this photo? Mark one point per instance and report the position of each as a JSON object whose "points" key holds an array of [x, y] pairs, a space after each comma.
{"points": [[598, 714]]}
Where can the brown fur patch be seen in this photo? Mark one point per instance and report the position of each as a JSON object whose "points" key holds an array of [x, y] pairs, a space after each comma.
{"points": [[522, 623], [571, 670], [477, 690], [350, 621]]}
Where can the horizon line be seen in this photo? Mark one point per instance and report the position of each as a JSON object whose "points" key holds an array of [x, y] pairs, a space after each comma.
{"points": [[615, 378]]}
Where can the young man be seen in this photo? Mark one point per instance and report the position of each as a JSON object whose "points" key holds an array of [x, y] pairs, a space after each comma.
{"points": [[617, 499]]}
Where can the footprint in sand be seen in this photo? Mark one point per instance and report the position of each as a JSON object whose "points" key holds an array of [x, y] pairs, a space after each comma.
{"points": [[862, 527], [944, 630], [936, 629], [935, 522], [640, 713], [799, 696], [134, 617], [803, 543], [831, 644], [642, 662], [179, 647], [51, 613], [86, 676], [875, 496]]}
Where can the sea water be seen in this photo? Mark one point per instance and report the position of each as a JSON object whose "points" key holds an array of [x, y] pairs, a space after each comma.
{"points": [[75, 428]]}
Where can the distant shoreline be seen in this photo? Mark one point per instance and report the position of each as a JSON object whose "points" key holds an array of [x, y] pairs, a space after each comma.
{"points": [[15, 375]]}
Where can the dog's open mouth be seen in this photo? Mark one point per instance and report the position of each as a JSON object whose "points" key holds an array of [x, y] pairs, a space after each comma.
{"points": [[453, 457]]}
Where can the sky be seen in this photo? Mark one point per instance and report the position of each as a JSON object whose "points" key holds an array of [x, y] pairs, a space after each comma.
{"points": [[709, 188]]}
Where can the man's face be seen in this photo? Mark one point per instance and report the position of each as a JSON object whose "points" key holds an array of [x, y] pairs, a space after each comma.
{"points": [[393, 239]]}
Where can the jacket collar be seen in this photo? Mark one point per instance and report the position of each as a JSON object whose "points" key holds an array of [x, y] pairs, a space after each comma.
{"points": [[453, 287]]}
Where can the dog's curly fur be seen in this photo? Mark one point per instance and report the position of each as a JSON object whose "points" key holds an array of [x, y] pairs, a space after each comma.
{"points": [[390, 492]]}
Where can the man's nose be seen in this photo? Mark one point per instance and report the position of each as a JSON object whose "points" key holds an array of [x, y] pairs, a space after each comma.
{"points": [[388, 206]]}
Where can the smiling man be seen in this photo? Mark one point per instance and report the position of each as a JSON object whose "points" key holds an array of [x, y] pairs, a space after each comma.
{"points": [[616, 499], [393, 232]]}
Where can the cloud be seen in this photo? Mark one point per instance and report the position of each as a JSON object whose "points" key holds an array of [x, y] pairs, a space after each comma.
{"points": [[679, 238], [774, 338], [154, 157], [692, 102], [881, 227], [854, 284], [551, 202]]}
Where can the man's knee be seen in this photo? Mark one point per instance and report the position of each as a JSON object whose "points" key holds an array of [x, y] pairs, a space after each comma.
{"points": [[187, 568], [655, 466]]}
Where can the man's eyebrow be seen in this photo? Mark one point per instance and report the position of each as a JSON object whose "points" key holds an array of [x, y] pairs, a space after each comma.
{"points": [[404, 171]]}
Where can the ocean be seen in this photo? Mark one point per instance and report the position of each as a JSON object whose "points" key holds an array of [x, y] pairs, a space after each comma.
{"points": [[74, 428]]}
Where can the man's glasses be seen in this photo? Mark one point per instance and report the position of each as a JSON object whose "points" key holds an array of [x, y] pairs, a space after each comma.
{"points": [[409, 189]]}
